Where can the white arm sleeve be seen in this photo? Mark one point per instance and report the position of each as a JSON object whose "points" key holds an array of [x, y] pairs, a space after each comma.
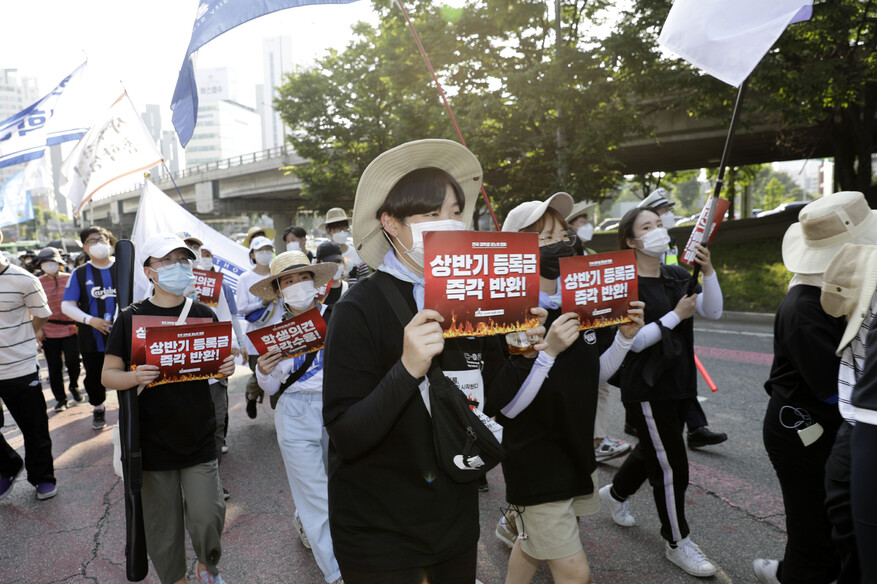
{"points": [[651, 333], [531, 386], [72, 310], [612, 357], [709, 302]]}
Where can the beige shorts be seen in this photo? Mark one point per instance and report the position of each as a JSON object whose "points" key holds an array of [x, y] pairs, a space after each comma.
{"points": [[552, 528]]}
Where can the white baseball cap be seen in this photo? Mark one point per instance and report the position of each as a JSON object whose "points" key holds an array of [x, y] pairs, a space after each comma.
{"points": [[161, 244], [260, 242]]}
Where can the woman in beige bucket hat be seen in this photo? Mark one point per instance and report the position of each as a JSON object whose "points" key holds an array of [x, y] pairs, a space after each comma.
{"points": [[802, 416], [395, 515]]}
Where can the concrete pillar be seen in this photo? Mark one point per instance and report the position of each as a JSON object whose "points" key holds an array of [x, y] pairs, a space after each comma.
{"points": [[282, 220]]}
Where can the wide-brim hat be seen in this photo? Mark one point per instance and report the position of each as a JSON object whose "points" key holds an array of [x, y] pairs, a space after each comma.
{"points": [[824, 227], [848, 287], [528, 213], [656, 199], [291, 262], [269, 233], [386, 170], [333, 215], [579, 209]]}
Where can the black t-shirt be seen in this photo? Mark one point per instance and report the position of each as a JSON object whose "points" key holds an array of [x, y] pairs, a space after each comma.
{"points": [[177, 421], [804, 370], [390, 506], [865, 392], [550, 446], [333, 296], [666, 369]]}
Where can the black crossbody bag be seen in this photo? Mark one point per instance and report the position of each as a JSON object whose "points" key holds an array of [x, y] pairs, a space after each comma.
{"points": [[464, 447]]}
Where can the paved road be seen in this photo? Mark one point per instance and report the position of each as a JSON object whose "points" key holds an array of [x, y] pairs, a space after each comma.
{"points": [[733, 503]]}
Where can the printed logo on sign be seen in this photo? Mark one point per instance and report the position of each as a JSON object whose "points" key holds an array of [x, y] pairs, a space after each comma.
{"points": [[590, 337], [99, 293], [473, 360]]}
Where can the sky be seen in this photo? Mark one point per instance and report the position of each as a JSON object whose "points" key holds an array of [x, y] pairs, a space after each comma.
{"points": [[142, 44]]}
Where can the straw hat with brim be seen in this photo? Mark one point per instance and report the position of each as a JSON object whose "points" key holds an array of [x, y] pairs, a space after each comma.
{"points": [[334, 215], [528, 213], [291, 262], [269, 233], [848, 287], [387, 169], [579, 209], [823, 227]]}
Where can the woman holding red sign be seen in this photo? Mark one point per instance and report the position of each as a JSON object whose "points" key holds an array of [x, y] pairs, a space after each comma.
{"points": [[658, 380], [550, 422], [181, 487], [396, 516], [298, 416]]}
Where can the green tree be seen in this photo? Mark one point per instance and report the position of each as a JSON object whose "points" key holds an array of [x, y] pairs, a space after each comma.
{"points": [[774, 193]]}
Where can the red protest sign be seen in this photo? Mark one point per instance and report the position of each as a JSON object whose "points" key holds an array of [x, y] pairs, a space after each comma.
{"points": [[324, 290], [300, 334], [697, 233], [482, 282], [208, 285], [139, 324], [188, 352], [599, 287]]}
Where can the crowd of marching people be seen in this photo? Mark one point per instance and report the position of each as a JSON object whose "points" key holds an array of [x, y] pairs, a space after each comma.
{"points": [[356, 420]]}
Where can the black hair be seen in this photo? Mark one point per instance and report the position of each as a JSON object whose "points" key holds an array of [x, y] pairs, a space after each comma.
{"points": [[420, 191], [296, 231], [337, 224], [83, 235], [625, 227]]}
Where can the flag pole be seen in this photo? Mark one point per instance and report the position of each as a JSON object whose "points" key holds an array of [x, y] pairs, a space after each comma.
{"points": [[441, 92], [171, 176], [720, 179]]}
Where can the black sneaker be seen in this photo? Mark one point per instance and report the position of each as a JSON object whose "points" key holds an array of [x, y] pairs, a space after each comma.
{"points": [[99, 420], [225, 494], [483, 485], [251, 408], [703, 436], [60, 405], [77, 396]]}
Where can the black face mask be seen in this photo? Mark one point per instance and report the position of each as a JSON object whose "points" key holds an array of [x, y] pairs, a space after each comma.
{"points": [[549, 258]]}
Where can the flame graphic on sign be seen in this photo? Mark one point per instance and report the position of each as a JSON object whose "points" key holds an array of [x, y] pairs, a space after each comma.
{"points": [[603, 322], [486, 329]]}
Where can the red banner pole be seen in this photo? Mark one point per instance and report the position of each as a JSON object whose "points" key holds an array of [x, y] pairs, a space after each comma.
{"points": [[445, 100]]}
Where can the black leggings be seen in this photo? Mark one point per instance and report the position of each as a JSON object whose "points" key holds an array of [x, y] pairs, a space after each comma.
{"points": [[457, 570], [864, 493]]}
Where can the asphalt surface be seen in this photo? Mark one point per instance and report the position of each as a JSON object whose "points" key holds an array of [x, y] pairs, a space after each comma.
{"points": [[733, 503]]}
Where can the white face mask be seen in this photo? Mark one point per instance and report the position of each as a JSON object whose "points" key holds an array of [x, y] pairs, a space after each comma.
{"points": [[415, 254], [655, 242], [99, 250], [263, 258], [339, 272], [204, 263], [50, 268], [293, 246], [668, 219], [299, 296], [340, 237], [585, 232]]}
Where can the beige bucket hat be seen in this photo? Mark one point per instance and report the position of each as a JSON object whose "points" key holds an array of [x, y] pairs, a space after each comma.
{"points": [[528, 213], [823, 227], [333, 215], [848, 287], [579, 209], [291, 262], [386, 170]]}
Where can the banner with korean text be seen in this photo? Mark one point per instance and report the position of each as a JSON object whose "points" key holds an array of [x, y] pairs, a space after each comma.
{"points": [[208, 286], [697, 233], [140, 323], [301, 334], [599, 287], [188, 352], [482, 282]]}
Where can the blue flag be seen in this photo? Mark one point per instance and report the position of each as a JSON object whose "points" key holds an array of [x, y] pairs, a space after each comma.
{"points": [[15, 201], [215, 17], [25, 135]]}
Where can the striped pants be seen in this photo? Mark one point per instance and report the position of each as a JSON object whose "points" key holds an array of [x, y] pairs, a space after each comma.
{"points": [[661, 458]]}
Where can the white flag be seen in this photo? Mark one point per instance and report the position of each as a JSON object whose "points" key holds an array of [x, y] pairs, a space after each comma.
{"points": [[24, 136], [157, 213], [728, 38], [118, 145]]}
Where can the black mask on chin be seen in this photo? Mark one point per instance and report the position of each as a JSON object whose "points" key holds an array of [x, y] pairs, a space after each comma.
{"points": [[549, 258]]}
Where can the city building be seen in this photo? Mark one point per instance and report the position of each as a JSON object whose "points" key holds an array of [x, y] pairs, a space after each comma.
{"points": [[277, 57]]}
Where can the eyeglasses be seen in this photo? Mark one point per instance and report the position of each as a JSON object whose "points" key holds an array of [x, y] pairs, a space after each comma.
{"points": [[93, 240], [567, 237], [168, 261]]}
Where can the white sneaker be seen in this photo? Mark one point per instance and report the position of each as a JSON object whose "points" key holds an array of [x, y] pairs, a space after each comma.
{"points": [[610, 448], [296, 522], [688, 556], [766, 570], [620, 510]]}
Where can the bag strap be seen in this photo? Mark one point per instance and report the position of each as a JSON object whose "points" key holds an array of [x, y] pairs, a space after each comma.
{"points": [[187, 306], [309, 360]]}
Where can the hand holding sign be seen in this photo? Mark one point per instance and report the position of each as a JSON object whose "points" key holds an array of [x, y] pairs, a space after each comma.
{"points": [[268, 361], [635, 313], [562, 333], [423, 340]]}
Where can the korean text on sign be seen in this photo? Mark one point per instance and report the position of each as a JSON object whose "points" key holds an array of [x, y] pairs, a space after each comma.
{"points": [[466, 274], [188, 351], [600, 284]]}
